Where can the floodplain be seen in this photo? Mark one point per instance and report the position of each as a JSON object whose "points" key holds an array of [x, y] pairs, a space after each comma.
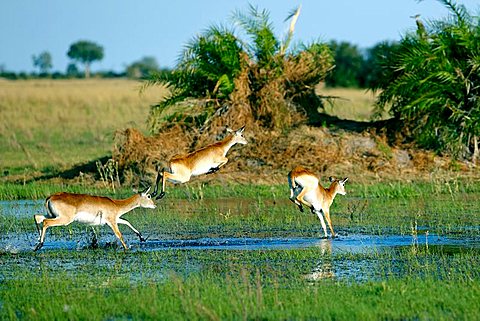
{"points": [[397, 256]]}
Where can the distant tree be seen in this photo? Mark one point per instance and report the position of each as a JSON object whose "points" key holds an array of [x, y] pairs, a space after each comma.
{"points": [[348, 65], [373, 68], [85, 52], [43, 62], [142, 68], [72, 71]]}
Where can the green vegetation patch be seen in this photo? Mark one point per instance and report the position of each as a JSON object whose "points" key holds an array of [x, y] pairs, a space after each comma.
{"points": [[175, 284]]}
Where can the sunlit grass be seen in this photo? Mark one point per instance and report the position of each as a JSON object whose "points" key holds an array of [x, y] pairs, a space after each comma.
{"points": [[48, 125], [349, 103]]}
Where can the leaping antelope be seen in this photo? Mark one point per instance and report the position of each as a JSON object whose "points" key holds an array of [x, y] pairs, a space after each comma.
{"points": [[64, 208], [305, 189], [206, 160]]}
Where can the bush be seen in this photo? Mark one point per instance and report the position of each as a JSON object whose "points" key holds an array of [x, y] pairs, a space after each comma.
{"points": [[221, 78], [431, 83]]}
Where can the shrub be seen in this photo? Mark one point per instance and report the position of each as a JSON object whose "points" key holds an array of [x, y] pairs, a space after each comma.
{"points": [[222, 78], [431, 83]]}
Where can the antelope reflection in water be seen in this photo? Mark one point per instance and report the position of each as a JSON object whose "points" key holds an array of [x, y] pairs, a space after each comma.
{"points": [[324, 268]]}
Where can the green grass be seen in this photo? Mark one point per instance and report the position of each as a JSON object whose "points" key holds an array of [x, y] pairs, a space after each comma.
{"points": [[106, 284], [453, 187], [193, 191]]}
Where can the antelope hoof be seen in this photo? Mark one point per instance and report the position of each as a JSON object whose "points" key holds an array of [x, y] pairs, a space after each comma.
{"points": [[160, 196], [142, 239], [38, 246], [94, 244], [300, 207]]}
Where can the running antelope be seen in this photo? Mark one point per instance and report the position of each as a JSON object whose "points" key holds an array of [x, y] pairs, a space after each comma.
{"points": [[305, 189], [206, 160], [64, 208]]}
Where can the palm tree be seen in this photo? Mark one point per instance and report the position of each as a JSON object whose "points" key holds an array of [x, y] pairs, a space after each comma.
{"points": [[219, 72]]}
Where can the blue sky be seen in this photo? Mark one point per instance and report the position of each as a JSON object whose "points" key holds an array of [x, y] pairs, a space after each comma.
{"points": [[131, 29]]}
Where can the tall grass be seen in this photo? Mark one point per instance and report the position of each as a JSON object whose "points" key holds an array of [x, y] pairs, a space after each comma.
{"points": [[47, 125], [349, 103], [453, 188]]}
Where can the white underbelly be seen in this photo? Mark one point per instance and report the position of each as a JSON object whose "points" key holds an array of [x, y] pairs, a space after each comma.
{"points": [[203, 168], [311, 197], [90, 219]]}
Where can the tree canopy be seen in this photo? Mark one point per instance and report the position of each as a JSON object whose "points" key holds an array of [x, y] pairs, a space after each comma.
{"points": [[43, 62], [143, 67], [85, 52], [348, 65]]}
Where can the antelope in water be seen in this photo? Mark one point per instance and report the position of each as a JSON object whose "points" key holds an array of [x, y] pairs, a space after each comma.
{"points": [[305, 189], [64, 208], [206, 160]]}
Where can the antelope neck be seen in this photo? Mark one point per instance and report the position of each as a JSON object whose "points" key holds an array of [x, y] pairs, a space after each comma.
{"points": [[227, 143], [128, 204]]}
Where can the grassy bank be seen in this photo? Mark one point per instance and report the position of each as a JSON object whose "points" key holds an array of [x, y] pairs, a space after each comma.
{"points": [[453, 186]]}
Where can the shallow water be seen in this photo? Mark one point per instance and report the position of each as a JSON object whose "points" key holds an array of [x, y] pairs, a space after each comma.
{"points": [[21, 208], [351, 243], [352, 257], [337, 257]]}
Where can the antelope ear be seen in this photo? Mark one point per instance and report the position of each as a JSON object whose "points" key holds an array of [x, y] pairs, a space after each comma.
{"points": [[241, 129], [229, 130], [331, 179]]}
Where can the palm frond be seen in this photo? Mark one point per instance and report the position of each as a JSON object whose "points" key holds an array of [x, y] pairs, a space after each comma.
{"points": [[293, 15]]}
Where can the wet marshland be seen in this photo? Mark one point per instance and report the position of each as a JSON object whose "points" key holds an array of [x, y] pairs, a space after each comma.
{"points": [[189, 236]]}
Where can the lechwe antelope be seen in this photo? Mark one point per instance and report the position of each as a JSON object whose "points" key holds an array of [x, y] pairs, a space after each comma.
{"points": [[206, 160], [305, 189], [65, 208]]}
